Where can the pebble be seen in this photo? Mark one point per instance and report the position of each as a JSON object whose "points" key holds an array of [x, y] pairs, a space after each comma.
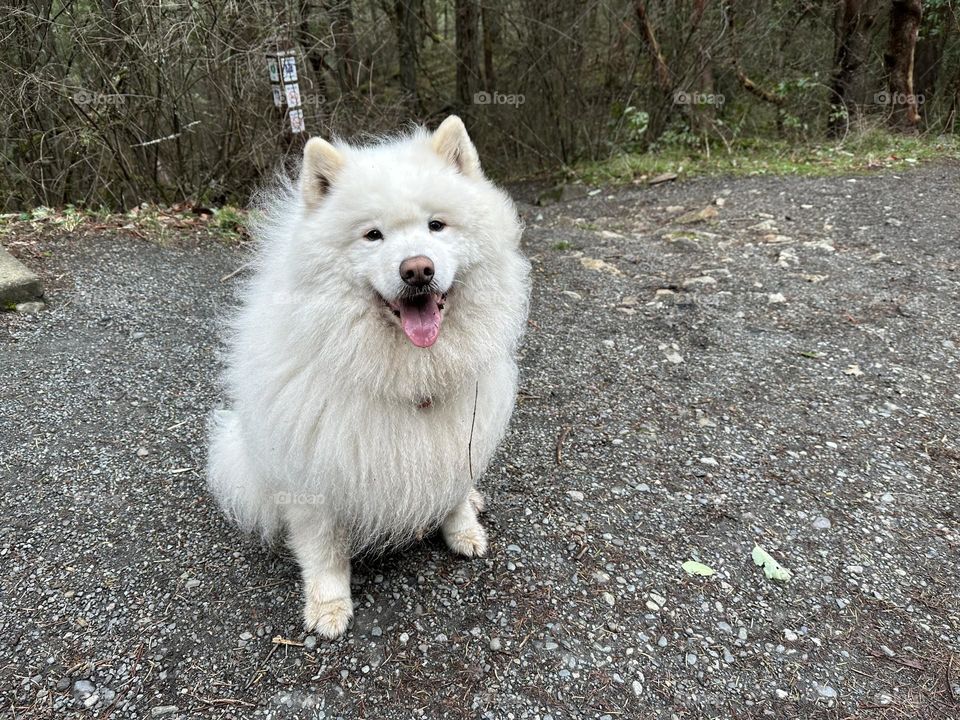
{"points": [[637, 688], [575, 495], [825, 691], [376, 631], [160, 710], [310, 642], [781, 694], [822, 523], [192, 583], [886, 498], [709, 461], [691, 659], [789, 635], [83, 689], [29, 308], [142, 452], [495, 644], [775, 298], [405, 638]]}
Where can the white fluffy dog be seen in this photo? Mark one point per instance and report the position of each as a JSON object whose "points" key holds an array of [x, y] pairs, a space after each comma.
{"points": [[371, 367]]}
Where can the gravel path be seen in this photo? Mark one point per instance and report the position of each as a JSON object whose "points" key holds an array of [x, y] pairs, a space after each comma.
{"points": [[709, 365]]}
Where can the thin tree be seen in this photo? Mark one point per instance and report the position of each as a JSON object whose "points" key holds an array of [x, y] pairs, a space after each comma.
{"points": [[905, 16], [408, 47], [853, 21], [468, 75]]}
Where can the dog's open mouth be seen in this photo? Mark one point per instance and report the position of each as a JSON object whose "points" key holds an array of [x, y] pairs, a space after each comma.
{"points": [[420, 316]]}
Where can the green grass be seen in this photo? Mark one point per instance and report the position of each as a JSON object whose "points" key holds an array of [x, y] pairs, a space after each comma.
{"points": [[870, 150]]}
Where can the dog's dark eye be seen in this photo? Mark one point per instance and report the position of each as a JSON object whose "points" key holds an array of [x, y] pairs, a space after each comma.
{"points": [[436, 225], [374, 235]]}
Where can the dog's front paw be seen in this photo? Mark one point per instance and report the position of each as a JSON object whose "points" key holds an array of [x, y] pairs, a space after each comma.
{"points": [[329, 618], [470, 541]]}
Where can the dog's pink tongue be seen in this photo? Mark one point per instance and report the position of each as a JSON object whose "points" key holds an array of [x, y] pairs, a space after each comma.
{"points": [[421, 321]]}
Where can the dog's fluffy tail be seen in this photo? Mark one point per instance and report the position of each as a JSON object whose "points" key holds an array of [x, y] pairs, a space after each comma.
{"points": [[233, 481]]}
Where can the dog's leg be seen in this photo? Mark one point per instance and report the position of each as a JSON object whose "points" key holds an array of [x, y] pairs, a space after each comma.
{"points": [[324, 557], [462, 530]]}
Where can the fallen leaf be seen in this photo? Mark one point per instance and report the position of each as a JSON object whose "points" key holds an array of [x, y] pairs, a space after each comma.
{"points": [[771, 568], [600, 265], [695, 568]]}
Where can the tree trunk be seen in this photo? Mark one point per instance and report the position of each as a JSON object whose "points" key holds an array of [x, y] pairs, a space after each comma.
{"points": [[491, 34], [905, 18], [340, 15], [853, 20], [467, 51], [408, 48], [660, 69]]}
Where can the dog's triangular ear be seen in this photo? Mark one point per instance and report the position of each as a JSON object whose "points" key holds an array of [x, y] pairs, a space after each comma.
{"points": [[451, 142], [321, 165]]}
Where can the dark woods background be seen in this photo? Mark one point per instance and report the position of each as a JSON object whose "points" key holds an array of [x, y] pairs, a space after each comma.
{"points": [[119, 102]]}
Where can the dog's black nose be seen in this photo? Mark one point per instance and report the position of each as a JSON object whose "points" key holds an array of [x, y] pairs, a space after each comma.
{"points": [[417, 271]]}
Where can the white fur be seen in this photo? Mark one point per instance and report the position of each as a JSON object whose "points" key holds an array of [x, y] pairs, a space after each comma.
{"points": [[325, 436]]}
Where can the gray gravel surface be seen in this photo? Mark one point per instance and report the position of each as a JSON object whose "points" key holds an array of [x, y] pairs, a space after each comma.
{"points": [[781, 369]]}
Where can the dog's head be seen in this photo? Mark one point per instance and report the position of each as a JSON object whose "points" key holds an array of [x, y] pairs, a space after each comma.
{"points": [[412, 226]]}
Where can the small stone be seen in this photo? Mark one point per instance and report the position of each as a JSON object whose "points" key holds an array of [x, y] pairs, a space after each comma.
{"points": [[775, 298], [825, 691], [822, 523], [550, 645], [514, 549], [608, 343], [727, 656], [108, 695], [781, 694], [310, 642], [887, 651], [83, 689], [575, 495], [495, 644], [161, 710], [701, 280], [142, 452], [637, 688], [691, 659], [609, 599], [138, 336], [192, 583], [29, 308], [405, 638], [709, 461], [725, 627], [789, 635], [886, 498], [376, 631]]}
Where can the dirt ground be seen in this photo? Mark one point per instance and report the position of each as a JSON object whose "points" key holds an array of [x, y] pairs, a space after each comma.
{"points": [[710, 365]]}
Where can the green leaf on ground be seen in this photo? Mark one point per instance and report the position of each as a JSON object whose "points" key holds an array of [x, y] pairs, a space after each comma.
{"points": [[771, 568], [695, 568]]}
